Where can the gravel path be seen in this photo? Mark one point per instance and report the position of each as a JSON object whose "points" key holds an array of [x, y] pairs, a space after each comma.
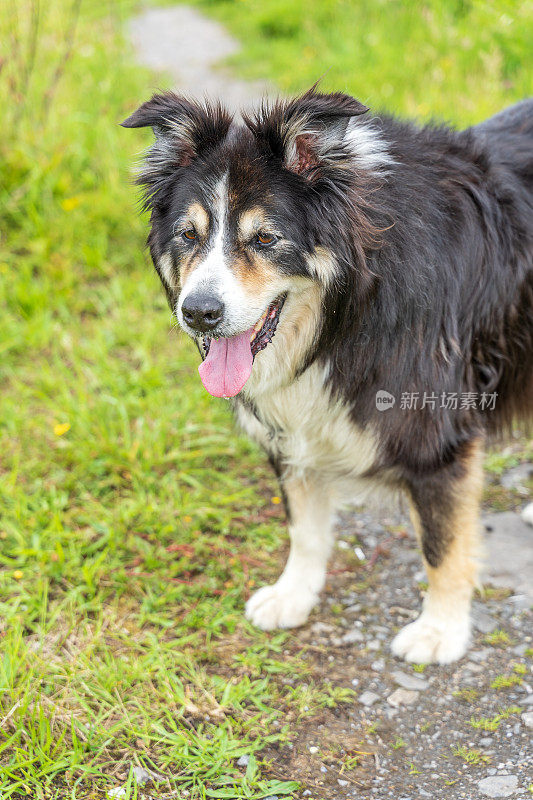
{"points": [[463, 731], [188, 48]]}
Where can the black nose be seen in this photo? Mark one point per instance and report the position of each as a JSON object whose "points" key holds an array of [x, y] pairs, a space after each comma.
{"points": [[202, 312]]}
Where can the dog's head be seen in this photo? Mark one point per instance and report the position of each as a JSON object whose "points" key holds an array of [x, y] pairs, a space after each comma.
{"points": [[249, 222]]}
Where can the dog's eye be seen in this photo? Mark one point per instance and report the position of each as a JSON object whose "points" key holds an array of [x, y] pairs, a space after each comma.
{"points": [[266, 239], [189, 235]]}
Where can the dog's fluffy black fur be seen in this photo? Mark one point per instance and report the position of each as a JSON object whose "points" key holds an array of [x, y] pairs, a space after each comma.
{"points": [[424, 239]]}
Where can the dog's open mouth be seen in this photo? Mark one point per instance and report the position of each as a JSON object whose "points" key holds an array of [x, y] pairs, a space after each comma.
{"points": [[228, 361]]}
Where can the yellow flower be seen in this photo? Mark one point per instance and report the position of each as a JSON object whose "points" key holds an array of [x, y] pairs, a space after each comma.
{"points": [[61, 427], [18, 574], [276, 500], [187, 518], [69, 203]]}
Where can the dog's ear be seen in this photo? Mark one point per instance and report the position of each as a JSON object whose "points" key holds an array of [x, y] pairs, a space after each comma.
{"points": [[184, 130], [308, 132]]}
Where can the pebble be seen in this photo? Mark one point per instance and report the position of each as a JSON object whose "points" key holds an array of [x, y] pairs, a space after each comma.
{"points": [[480, 655], [117, 792], [368, 698], [406, 681], [483, 622], [243, 761], [379, 665], [527, 719], [402, 697], [322, 627], [354, 609], [498, 785], [313, 749], [471, 667], [342, 783], [352, 636], [143, 775]]}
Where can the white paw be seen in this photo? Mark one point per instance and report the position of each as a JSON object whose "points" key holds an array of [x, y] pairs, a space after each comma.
{"points": [[280, 606], [433, 640]]}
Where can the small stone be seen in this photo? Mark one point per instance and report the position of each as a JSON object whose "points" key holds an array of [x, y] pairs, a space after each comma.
{"points": [[378, 665], [480, 655], [307, 793], [243, 761], [520, 602], [142, 775], [471, 667], [368, 698], [117, 792], [402, 697], [527, 719], [423, 793], [323, 768], [352, 636], [322, 627], [486, 741], [354, 609], [413, 682], [483, 622], [342, 783], [313, 749], [498, 785]]}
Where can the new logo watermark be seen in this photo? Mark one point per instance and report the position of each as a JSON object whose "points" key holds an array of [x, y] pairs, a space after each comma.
{"points": [[384, 400], [453, 401]]}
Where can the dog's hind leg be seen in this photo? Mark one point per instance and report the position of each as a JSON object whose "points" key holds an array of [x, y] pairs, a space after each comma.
{"points": [[445, 513], [287, 603]]}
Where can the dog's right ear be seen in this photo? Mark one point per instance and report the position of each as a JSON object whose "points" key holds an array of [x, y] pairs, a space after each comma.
{"points": [[183, 130]]}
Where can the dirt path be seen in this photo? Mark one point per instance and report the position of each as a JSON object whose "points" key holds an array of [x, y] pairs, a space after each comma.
{"points": [[421, 733], [188, 48]]}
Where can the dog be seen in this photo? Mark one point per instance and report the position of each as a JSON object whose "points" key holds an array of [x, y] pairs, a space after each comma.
{"points": [[362, 289]]}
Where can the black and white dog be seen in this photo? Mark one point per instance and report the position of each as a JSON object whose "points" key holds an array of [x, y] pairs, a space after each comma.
{"points": [[394, 264]]}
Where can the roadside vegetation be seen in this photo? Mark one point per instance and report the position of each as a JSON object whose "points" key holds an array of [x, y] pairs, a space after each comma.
{"points": [[134, 519]]}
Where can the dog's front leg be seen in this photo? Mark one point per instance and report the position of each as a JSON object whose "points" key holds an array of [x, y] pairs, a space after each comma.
{"points": [[445, 513], [287, 603]]}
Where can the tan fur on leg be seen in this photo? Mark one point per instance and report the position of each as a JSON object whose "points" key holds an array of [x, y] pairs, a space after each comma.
{"points": [[442, 631]]}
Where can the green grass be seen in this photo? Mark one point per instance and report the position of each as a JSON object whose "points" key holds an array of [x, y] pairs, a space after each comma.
{"points": [[459, 60], [133, 517]]}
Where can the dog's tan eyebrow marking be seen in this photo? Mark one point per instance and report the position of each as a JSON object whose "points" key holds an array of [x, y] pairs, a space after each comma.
{"points": [[252, 221], [198, 216]]}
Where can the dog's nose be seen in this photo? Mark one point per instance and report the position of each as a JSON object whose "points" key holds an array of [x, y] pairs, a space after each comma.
{"points": [[202, 312]]}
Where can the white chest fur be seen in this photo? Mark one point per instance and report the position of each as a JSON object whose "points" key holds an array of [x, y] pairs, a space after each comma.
{"points": [[312, 433]]}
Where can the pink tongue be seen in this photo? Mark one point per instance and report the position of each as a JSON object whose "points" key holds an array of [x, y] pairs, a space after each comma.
{"points": [[228, 365]]}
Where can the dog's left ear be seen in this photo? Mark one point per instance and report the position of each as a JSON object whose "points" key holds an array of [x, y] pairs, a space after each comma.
{"points": [[308, 132]]}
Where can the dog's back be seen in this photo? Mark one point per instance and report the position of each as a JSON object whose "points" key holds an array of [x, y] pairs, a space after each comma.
{"points": [[507, 140]]}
